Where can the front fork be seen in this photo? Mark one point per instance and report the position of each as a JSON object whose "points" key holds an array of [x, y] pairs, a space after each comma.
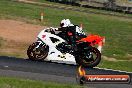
{"points": [[38, 47], [39, 43]]}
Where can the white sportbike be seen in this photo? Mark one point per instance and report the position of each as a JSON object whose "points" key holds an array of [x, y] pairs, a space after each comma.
{"points": [[51, 47]]}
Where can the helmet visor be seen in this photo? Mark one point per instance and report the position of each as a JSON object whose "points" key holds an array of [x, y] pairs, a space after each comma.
{"points": [[61, 24]]}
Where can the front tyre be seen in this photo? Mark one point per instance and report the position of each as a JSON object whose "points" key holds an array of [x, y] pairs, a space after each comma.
{"points": [[90, 60], [39, 53]]}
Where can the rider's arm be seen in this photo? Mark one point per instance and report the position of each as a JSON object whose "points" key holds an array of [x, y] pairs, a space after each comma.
{"points": [[62, 29]]}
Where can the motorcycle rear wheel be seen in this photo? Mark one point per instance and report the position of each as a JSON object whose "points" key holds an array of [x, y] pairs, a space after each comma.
{"points": [[37, 54], [87, 63]]}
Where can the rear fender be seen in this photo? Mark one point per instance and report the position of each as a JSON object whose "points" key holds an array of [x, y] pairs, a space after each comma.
{"points": [[93, 39]]}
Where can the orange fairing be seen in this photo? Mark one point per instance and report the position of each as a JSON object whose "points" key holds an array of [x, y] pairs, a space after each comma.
{"points": [[81, 71], [93, 39]]}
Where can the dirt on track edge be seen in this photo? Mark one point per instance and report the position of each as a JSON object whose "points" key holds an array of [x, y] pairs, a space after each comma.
{"points": [[17, 36]]}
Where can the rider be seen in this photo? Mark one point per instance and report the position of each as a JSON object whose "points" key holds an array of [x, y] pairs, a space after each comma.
{"points": [[72, 32]]}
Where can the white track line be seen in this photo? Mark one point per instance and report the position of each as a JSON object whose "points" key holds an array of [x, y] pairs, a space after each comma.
{"points": [[112, 70]]}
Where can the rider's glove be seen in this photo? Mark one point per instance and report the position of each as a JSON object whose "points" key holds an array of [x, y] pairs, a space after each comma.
{"points": [[53, 29]]}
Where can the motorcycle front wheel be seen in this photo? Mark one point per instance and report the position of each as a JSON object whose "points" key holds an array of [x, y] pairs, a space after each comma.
{"points": [[39, 53], [91, 60]]}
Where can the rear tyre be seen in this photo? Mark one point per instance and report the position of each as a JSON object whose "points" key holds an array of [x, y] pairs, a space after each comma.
{"points": [[39, 53], [91, 62]]}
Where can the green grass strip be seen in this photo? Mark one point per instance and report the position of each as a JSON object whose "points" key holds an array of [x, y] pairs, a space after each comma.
{"points": [[6, 82]]}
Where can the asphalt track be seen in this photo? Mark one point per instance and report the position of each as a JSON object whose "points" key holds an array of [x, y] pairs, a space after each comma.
{"points": [[49, 71]]}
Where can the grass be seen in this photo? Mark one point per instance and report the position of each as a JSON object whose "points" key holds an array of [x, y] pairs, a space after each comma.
{"points": [[21, 83], [119, 65], [117, 30]]}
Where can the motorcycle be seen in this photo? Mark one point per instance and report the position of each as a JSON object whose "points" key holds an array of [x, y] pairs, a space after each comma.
{"points": [[51, 47]]}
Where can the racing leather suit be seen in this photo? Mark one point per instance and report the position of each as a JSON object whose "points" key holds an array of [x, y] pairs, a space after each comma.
{"points": [[71, 35]]}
